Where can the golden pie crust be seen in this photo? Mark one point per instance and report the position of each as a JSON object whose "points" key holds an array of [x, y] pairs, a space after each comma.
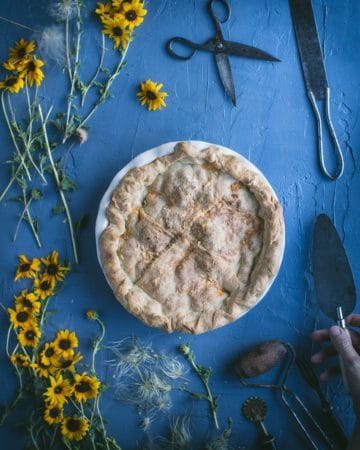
{"points": [[193, 241]]}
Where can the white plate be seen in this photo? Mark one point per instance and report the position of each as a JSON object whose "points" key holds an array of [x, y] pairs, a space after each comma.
{"points": [[146, 158]]}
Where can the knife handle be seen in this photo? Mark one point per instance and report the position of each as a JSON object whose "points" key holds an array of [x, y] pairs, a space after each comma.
{"points": [[341, 323]]}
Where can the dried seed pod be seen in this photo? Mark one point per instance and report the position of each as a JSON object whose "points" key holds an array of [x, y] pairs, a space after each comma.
{"points": [[260, 359]]}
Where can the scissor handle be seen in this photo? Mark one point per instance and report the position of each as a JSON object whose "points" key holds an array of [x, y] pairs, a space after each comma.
{"points": [[184, 42], [214, 15], [340, 159]]}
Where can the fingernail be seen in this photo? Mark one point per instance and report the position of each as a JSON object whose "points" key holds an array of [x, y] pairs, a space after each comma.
{"points": [[335, 331]]}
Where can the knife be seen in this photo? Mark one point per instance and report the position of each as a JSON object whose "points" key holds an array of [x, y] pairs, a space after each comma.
{"points": [[315, 78], [334, 282]]}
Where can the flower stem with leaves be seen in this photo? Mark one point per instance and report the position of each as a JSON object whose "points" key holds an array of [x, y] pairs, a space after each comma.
{"points": [[204, 374]]}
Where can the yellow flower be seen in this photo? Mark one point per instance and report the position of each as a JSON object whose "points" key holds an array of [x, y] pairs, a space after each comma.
{"points": [[115, 28], [44, 287], [30, 69], [43, 370], [104, 11], [58, 392], [65, 342], [85, 387], [91, 314], [29, 336], [48, 354], [151, 96], [20, 360], [28, 301], [134, 13], [12, 84], [8, 65], [53, 271], [21, 318], [21, 50], [63, 364], [27, 268], [74, 428], [53, 414]]}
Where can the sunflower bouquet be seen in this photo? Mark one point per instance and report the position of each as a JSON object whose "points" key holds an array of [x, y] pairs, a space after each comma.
{"points": [[64, 392], [43, 138]]}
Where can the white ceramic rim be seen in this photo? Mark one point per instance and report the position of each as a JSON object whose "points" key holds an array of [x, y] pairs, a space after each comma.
{"points": [[146, 158]]}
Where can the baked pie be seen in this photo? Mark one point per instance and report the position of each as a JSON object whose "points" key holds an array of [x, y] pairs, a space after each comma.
{"points": [[193, 241]]}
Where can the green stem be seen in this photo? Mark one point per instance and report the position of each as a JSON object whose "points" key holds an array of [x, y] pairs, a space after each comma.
{"points": [[12, 179], [67, 49], [107, 86], [91, 83], [58, 184], [26, 206], [30, 220], [74, 74], [13, 137]]}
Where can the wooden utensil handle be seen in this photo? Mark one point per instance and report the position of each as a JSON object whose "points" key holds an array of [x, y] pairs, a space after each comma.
{"points": [[342, 366]]}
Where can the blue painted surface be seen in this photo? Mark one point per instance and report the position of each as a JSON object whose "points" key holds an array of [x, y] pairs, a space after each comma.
{"points": [[273, 126]]}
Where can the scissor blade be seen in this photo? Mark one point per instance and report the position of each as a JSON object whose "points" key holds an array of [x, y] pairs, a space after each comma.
{"points": [[224, 68], [247, 51]]}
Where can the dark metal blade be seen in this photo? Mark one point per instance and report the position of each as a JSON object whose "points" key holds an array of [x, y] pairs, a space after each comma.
{"points": [[247, 51], [224, 68], [334, 282], [309, 47]]}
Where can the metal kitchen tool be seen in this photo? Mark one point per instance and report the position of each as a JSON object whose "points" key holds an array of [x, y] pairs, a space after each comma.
{"points": [[287, 395], [312, 380], [334, 282], [220, 48], [255, 409], [315, 78]]}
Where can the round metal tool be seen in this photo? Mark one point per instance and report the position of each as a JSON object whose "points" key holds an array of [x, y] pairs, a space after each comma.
{"points": [[255, 409]]}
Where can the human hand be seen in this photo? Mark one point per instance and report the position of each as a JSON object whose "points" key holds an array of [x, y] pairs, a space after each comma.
{"points": [[347, 345]]}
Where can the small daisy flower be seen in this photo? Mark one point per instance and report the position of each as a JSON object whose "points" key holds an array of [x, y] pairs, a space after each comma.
{"points": [[74, 428], [59, 391], [44, 287], [85, 387], [30, 69], [27, 268], [53, 414], [20, 317], [133, 13], [20, 360], [68, 364], [28, 301], [151, 96], [20, 51], [116, 29], [29, 336], [54, 271], [65, 342]]}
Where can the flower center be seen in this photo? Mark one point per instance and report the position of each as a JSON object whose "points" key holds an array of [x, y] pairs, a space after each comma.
{"points": [[83, 386], [24, 267], [22, 316], [65, 344], [58, 390], [30, 335], [45, 285], [31, 66], [19, 360], [54, 412], [67, 363], [73, 425], [21, 52], [150, 95], [117, 31], [10, 82], [49, 352], [131, 15], [27, 303], [52, 269]]}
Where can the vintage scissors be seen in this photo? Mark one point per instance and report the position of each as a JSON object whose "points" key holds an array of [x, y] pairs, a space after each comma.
{"points": [[221, 49]]}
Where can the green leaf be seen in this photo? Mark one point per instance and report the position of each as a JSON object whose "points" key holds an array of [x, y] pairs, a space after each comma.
{"points": [[58, 209], [67, 184], [83, 222], [36, 194]]}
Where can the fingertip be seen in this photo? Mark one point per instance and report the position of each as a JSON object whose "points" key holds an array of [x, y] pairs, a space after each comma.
{"points": [[315, 358], [324, 376]]}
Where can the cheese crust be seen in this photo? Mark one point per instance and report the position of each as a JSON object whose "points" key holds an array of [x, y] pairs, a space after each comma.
{"points": [[193, 241]]}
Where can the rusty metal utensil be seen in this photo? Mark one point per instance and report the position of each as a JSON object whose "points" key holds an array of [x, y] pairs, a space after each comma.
{"points": [[255, 409], [286, 394]]}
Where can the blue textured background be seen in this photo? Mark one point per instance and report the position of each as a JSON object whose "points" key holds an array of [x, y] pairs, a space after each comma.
{"points": [[273, 126]]}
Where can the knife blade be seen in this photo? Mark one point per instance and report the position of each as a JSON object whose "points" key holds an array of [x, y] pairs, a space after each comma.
{"points": [[334, 282], [333, 278], [309, 48], [224, 69], [248, 51]]}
